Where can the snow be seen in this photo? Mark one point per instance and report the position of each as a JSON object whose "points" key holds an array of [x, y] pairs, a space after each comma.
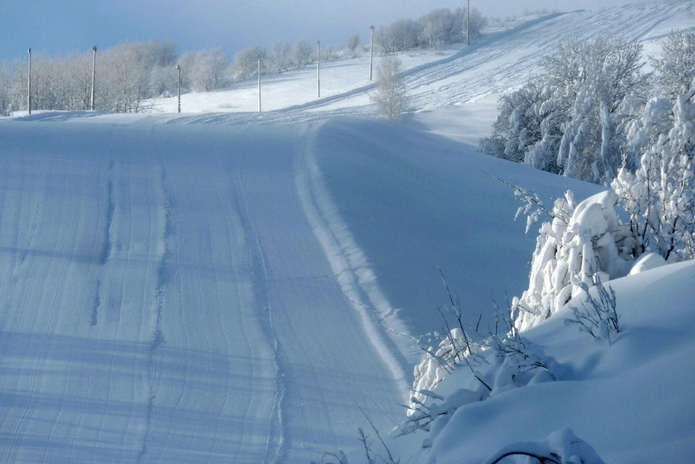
{"points": [[228, 286], [629, 401]]}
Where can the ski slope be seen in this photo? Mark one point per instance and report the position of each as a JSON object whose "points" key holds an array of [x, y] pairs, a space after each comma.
{"points": [[243, 287], [154, 312]]}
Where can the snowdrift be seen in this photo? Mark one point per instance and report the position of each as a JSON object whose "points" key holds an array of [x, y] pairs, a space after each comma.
{"points": [[631, 401]]}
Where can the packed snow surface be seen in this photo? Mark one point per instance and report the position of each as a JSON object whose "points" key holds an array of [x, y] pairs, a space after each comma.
{"points": [[243, 287]]}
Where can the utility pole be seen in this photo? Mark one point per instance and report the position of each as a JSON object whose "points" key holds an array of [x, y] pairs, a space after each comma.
{"points": [[259, 82], [371, 54], [29, 85], [318, 69], [94, 77], [178, 69], [468, 24]]}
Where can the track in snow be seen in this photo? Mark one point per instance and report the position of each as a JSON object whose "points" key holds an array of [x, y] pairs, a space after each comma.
{"points": [[171, 303]]}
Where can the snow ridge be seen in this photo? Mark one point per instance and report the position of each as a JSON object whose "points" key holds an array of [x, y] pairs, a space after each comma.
{"points": [[349, 265], [260, 273]]}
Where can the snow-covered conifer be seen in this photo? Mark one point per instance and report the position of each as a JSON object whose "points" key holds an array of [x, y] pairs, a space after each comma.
{"points": [[390, 97]]}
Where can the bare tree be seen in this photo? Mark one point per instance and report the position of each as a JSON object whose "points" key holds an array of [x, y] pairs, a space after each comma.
{"points": [[279, 58], [246, 62], [302, 54], [354, 46]]}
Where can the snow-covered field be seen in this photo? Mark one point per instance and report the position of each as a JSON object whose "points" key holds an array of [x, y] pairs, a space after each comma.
{"points": [[228, 286]]}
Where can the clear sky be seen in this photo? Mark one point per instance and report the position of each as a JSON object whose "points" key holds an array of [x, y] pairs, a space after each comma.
{"points": [[61, 26]]}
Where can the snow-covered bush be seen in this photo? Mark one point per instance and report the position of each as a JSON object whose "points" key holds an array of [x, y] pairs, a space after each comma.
{"points": [[499, 361], [596, 314], [580, 241]]}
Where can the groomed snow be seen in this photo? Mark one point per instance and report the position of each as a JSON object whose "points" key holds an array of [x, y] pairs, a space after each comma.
{"points": [[239, 287]]}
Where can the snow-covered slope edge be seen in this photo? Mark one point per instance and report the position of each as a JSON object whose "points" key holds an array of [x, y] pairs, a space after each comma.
{"points": [[632, 401], [349, 264], [417, 203]]}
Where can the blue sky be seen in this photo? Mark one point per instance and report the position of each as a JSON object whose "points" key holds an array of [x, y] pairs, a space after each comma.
{"points": [[62, 26]]}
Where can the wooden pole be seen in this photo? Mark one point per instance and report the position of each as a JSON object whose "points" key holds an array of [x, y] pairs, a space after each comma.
{"points": [[29, 85], [371, 54], [94, 77], [259, 82], [178, 69]]}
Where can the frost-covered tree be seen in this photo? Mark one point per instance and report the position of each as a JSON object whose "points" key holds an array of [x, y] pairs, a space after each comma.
{"points": [[518, 128], [279, 58], [440, 27], [573, 119], [477, 22], [605, 88], [398, 36], [302, 54], [353, 48], [204, 70], [675, 70], [660, 194], [391, 97], [246, 62]]}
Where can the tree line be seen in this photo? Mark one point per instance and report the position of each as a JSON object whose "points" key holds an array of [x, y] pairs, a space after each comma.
{"points": [[129, 76]]}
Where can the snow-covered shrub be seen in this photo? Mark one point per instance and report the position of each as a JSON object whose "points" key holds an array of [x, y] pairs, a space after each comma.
{"points": [[596, 314], [561, 447], [501, 360], [580, 241]]}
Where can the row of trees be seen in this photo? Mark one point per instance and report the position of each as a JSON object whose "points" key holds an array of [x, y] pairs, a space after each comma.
{"points": [[433, 30], [130, 75], [126, 76]]}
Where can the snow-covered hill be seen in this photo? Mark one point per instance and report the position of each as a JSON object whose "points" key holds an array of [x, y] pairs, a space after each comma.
{"points": [[243, 287]]}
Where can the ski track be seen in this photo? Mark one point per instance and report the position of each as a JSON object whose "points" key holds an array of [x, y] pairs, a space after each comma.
{"points": [[187, 343], [276, 447], [348, 263]]}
